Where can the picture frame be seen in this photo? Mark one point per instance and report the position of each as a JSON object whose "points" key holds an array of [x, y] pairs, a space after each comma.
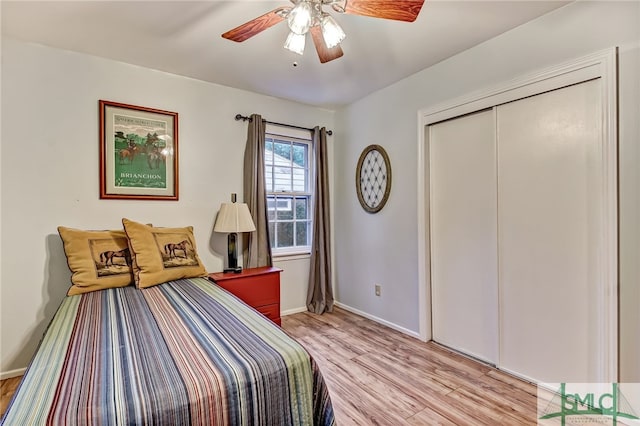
{"points": [[138, 152], [373, 178]]}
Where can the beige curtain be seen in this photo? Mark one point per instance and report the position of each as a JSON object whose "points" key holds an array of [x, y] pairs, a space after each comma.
{"points": [[320, 292], [257, 247]]}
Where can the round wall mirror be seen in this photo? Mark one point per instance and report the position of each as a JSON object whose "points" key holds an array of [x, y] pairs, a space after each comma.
{"points": [[373, 178]]}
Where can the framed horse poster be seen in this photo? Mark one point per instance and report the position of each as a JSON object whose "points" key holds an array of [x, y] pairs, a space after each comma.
{"points": [[138, 152]]}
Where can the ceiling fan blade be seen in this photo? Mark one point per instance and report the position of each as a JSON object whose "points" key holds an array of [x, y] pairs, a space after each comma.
{"points": [[325, 53], [399, 10], [257, 25]]}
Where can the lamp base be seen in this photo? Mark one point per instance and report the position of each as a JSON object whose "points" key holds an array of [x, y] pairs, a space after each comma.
{"points": [[232, 265]]}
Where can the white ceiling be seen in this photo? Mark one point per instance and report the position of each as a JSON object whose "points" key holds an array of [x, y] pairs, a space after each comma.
{"points": [[183, 37]]}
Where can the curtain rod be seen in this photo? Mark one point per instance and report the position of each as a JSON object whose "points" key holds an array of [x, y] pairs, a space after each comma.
{"points": [[245, 118]]}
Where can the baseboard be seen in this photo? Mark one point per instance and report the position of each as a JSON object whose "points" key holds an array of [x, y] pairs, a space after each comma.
{"points": [[362, 314], [293, 311], [12, 373], [379, 320]]}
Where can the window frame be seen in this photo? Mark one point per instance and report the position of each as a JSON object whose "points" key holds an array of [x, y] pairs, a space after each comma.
{"points": [[293, 136]]}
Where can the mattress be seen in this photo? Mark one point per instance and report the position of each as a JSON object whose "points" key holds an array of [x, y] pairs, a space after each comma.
{"points": [[185, 352]]}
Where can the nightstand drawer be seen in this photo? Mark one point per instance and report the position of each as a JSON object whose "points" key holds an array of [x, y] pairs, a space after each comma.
{"points": [[257, 287], [270, 311], [255, 292]]}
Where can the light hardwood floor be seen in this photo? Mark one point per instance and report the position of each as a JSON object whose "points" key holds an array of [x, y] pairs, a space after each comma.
{"points": [[7, 388], [378, 376]]}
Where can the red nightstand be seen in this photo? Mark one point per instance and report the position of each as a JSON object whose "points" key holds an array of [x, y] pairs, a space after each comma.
{"points": [[257, 287]]}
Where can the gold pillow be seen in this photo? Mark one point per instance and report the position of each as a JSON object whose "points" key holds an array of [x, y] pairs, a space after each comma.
{"points": [[163, 254], [134, 265], [97, 259]]}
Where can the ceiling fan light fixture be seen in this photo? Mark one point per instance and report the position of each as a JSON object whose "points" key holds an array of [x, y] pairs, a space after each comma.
{"points": [[300, 18], [305, 16], [331, 31], [295, 42]]}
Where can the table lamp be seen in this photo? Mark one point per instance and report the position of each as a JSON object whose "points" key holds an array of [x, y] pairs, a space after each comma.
{"points": [[233, 218]]}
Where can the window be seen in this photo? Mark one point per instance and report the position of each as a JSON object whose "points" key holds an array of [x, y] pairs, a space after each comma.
{"points": [[288, 172]]}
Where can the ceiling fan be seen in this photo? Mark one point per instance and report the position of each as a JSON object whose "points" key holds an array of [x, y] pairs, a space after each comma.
{"points": [[308, 16]]}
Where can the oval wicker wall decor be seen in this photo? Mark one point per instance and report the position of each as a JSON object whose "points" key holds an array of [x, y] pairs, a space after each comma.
{"points": [[373, 178]]}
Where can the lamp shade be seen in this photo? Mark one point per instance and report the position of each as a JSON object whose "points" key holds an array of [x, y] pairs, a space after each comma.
{"points": [[331, 31], [295, 43], [301, 17], [234, 217]]}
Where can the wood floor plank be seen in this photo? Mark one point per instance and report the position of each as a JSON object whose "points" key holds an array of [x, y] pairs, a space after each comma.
{"points": [[406, 377], [494, 390], [333, 351], [497, 407], [7, 389], [428, 417], [388, 404]]}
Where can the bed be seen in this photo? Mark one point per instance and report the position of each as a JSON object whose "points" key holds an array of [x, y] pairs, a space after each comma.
{"points": [[185, 352]]}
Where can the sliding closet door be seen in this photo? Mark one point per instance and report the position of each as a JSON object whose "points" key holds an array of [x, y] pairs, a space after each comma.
{"points": [[463, 234], [549, 184]]}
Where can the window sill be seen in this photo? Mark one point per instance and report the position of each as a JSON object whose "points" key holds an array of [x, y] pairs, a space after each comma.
{"points": [[290, 256]]}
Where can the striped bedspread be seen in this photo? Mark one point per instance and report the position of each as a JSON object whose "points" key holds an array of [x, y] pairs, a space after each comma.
{"points": [[181, 353]]}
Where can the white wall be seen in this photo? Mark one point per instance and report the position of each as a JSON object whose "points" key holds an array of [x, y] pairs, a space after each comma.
{"points": [[382, 247], [49, 172]]}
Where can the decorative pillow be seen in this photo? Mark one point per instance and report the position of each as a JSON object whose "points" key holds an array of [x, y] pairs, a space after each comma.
{"points": [[97, 259], [163, 254], [134, 265]]}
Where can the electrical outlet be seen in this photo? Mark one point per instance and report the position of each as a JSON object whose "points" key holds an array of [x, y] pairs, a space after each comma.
{"points": [[378, 288]]}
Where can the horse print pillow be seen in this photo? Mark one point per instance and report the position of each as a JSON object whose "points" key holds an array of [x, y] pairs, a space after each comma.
{"points": [[97, 259], [162, 254]]}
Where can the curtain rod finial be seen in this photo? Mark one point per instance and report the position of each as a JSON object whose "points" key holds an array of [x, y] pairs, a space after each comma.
{"points": [[242, 117]]}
